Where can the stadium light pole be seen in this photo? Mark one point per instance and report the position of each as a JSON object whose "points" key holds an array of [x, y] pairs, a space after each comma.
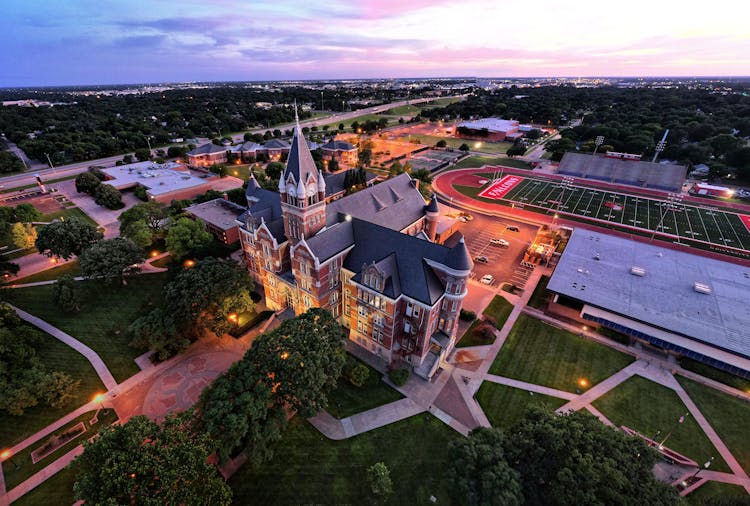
{"points": [[597, 142], [660, 146]]}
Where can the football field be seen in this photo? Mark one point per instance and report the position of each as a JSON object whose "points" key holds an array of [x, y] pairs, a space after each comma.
{"points": [[684, 221]]}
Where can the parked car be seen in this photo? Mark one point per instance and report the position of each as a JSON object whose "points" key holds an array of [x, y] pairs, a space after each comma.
{"points": [[481, 259], [512, 228], [467, 217], [499, 242], [487, 279]]}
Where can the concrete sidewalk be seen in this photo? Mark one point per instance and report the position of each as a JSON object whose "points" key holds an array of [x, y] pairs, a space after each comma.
{"points": [[96, 361], [531, 387], [601, 388], [338, 429]]}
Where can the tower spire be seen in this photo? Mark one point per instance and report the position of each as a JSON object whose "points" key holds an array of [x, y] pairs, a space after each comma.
{"points": [[296, 116]]}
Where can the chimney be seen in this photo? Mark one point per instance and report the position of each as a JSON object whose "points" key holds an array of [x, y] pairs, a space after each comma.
{"points": [[415, 183], [225, 196]]}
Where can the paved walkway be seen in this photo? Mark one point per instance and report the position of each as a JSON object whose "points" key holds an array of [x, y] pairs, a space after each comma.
{"points": [[601, 388], [43, 475], [337, 429], [530, 387], [96, 361]]}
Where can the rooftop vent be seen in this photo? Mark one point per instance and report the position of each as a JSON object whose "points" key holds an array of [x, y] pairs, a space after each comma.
{"points": [[660, 254], [597, 256], [702, 288], [637, 271]]}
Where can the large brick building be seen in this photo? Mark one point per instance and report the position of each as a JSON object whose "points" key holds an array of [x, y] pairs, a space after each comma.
{"points": [[369, 258]]}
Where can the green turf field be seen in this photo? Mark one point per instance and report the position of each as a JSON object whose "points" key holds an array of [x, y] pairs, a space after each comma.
{"points": [[689, 223]]}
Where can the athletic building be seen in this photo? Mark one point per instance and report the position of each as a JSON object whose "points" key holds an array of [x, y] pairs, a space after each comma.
{"points": [[682, 303], [369, 258]]}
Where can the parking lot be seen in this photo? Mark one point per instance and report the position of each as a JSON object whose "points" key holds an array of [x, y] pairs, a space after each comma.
{"points": [[503, 263]]}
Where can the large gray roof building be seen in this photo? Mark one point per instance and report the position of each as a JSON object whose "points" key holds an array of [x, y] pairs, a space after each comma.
{"points": [[686, 303]]}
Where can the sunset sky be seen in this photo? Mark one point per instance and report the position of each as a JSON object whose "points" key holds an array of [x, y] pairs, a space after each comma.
{"points": [[48, 42]]}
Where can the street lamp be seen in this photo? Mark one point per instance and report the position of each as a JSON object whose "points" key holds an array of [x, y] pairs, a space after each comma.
{"points": [[232, 317], [679, 421], [705, 466], [100, 399], [6, 455]]}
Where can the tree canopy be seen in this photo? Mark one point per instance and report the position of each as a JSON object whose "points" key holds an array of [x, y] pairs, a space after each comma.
{"points": [[111, 259], [185, 235], [142, 462], [24, 380], [66, 239]]}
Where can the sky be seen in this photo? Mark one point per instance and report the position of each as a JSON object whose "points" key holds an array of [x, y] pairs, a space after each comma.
{"points": [[66, 42]]}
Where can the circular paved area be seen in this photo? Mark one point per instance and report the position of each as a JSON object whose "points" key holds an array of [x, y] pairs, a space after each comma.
{"points": [[180, 387]]}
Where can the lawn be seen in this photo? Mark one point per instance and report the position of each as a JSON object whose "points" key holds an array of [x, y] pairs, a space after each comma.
{"points": [[164, 262], [715, 374], [14, 477], [348, 399], [34, 185], [483, 147], [539, 353], [499, 310], [649, 407], [729, 416], [308, 468], [504, 405], [56, 356], [360, 119], [72, 268], [404, 110], [56, 490], [70, 212], [106, 312], [714, 490], [475, 162], [539, 298]]}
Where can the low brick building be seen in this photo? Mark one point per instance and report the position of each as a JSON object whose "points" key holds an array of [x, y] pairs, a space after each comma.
{"points": [[220, 217]]}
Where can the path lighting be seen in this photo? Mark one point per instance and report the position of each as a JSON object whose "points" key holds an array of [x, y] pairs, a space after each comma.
{"points": [[284, 355], [189, 263], [154, 254], [232, 317], [6, 455], [583, 382], [477, 145], [705, 466], [100, 399]]}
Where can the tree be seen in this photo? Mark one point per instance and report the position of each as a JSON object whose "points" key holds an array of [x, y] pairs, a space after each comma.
{"points": [[26, 213], [380, 479], [464, 147], [359, 374], [65, 239], [396, 169], [478, 472], [274, 169], [24, 380], [142, 462], [333, 165], [143, 154], [301, 360], [575, 459], [203, 297], [10, 162], [441, 143], [365, 157], [186, 235], [157, 331], [143, 222], [24, 235], [139, 233], [515, 150], [111, 259], [234, 411], [87, 182], [108, 196], [66, 294]]}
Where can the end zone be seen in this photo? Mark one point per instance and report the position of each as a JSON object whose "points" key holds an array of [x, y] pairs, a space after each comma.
{"points": [[499, 188]]}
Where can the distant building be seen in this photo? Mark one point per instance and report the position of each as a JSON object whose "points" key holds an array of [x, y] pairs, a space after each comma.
{"points": [[220, 217], [207, 155], [368, 258], [163, 182], [491, 129], [677, 302], [710, 190], [343, 152]]}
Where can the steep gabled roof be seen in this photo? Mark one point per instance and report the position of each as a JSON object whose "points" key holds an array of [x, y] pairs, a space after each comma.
{"points": [[275, 144], [338, 146], [207, 149], [380, 204], [335, 182]]}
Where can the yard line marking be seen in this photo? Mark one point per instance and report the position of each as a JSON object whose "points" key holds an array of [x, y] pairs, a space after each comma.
{"points": [[721, 232], [739, 241]]}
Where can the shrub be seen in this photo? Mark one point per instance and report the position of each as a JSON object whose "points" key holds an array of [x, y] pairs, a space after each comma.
{"points": [[359, 374], [399, 377], [108, 196], [467, 316]]}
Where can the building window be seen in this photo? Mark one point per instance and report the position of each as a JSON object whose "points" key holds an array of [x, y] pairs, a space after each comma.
{"points": [[454, 304], [445, 305], [407, 327]]}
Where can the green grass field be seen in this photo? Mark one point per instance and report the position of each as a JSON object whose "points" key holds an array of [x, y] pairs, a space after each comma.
{"points": [[308, 468], [482, 147], [504, 405], [539, 298], [56, 356], [499, 309], [472, 162], [539, 353], [715, 374], [729, 416], [106, 312], [404, 110], [14, 477], [649, 407], [348, 400], [56, 490], [715, 490], [72, 268], [392, 120], [71, 212]]}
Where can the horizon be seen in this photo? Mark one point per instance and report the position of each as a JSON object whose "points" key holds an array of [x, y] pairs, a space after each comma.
{"points": [[79, 44]]}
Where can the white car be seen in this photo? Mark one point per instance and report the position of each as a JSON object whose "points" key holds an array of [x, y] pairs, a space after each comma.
{"points": [[499, 242], [487, 279]]}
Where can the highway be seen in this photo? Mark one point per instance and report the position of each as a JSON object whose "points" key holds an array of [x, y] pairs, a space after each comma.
{"points": [[27, 178]]}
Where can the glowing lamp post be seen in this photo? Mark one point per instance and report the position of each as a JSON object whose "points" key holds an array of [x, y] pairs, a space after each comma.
{"points": [[234, 318], [100, 399], [6, 455]]}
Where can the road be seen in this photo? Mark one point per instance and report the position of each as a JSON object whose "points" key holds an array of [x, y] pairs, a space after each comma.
{"points": [[75, 168]]}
